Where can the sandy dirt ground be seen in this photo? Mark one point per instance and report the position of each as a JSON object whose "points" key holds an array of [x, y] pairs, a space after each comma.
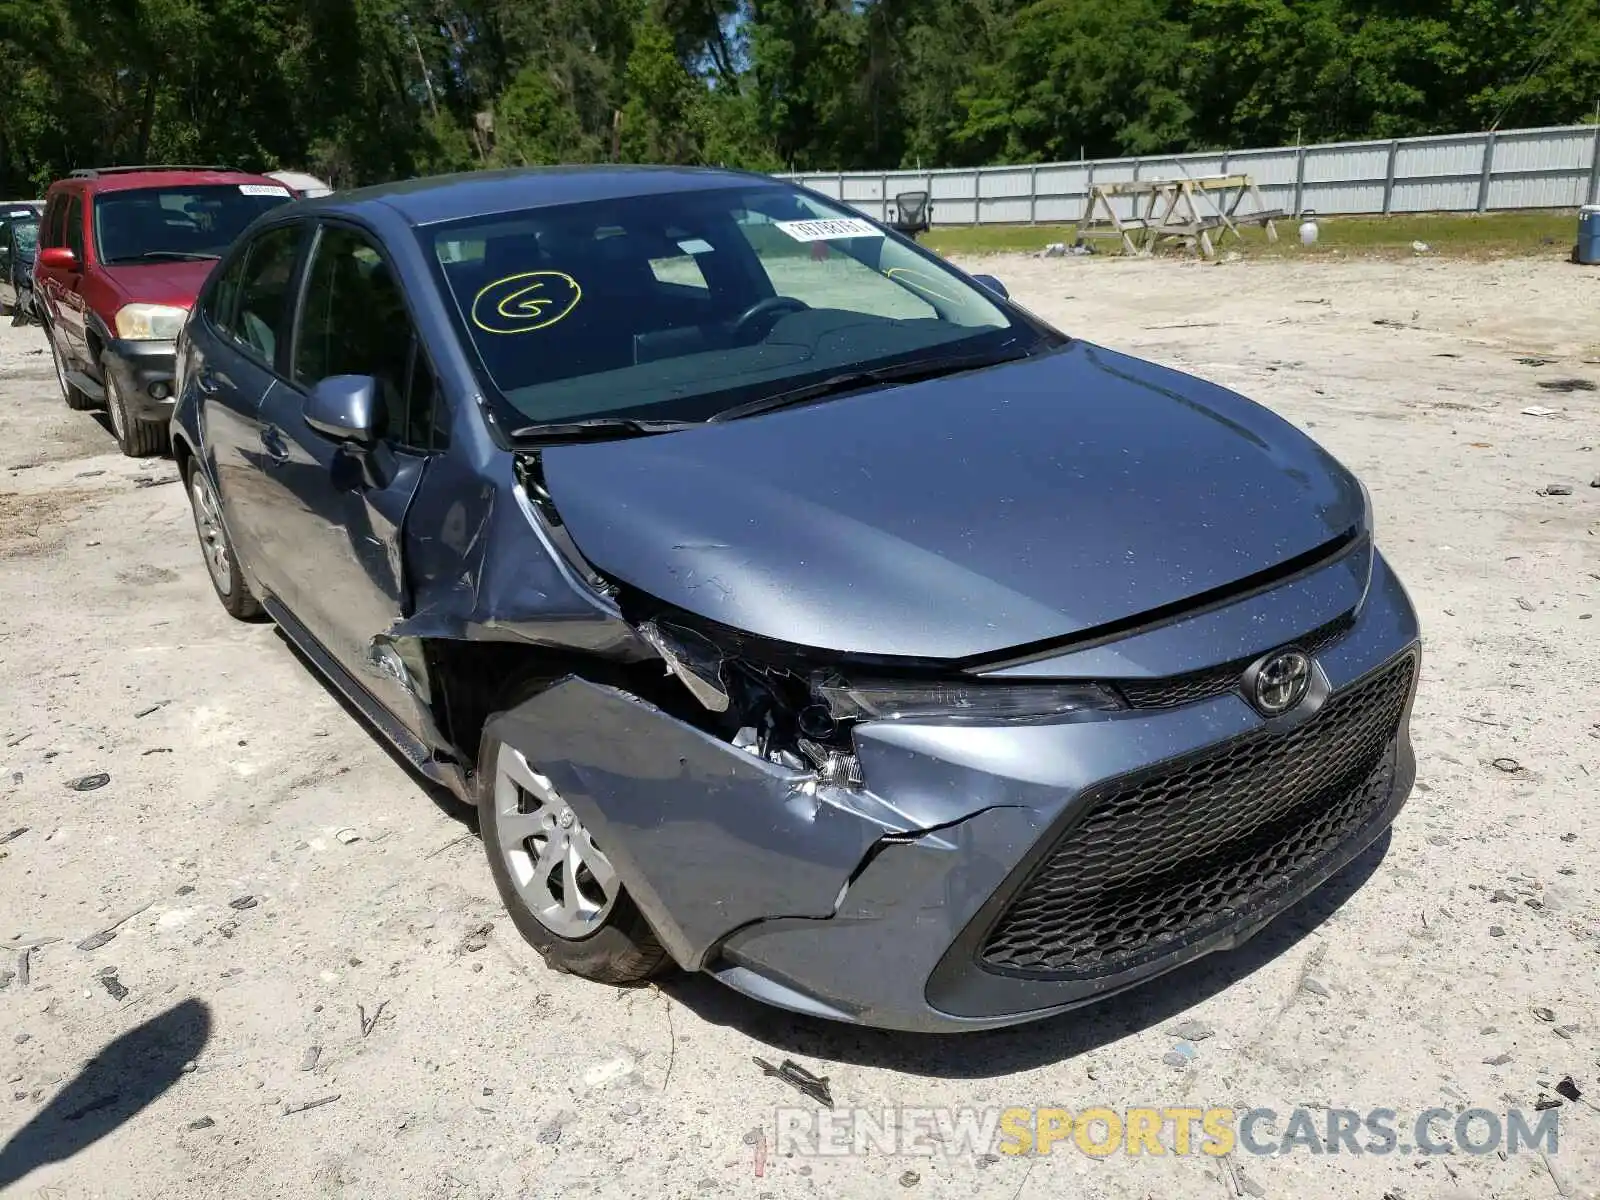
{"points": [[311, 990]]}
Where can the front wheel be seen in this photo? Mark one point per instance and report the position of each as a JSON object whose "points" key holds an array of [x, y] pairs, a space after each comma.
{"points": [[76, 399], [558, 886], [137, 439]]}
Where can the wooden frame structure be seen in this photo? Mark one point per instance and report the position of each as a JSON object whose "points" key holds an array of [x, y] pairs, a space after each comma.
{"points": [[1190, 210]]}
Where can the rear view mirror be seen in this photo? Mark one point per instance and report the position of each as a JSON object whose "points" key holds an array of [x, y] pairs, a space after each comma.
{"points": [[58, 258], [346, 408], [993, 284]]}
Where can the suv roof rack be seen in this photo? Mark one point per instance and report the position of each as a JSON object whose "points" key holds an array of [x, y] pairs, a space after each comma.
{"points": [[96, 172]]}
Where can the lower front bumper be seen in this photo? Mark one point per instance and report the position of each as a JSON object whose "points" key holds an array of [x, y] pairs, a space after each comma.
{"points": [[144, 372]]}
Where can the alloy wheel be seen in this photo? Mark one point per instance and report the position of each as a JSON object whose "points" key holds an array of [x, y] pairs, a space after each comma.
{"points": [[563, 878], [208, 524]]}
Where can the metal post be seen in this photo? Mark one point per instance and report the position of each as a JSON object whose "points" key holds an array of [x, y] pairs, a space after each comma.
{"points": [[1226, 154], [1088, 191], [1299, 179], [1388, 183], [977, 190], [883, 200], [1594, 169], [1488, 171], [841, 187], [1033, 195]]}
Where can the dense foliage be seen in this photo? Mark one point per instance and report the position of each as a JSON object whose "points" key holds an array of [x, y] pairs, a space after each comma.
{"points": [[363, 90]]}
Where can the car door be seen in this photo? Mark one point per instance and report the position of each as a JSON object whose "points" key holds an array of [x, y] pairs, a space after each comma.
{"points": [[49, 279], [235, 350], [71, 309], [341, 507]]}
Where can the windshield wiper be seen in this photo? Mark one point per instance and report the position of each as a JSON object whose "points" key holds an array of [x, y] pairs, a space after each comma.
{"points": [[850, 381], [597, 429], [179, 255]]}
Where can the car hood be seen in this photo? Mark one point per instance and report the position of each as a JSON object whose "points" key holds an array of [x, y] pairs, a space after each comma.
{"points": [[174, 283], [957, 517]]}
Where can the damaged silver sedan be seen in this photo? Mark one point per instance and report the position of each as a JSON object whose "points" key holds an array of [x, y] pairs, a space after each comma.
{"points": [[794, 607]]}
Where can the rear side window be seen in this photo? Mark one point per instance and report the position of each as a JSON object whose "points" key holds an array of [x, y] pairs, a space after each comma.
{"points": [[252, 308], [354, 322]]}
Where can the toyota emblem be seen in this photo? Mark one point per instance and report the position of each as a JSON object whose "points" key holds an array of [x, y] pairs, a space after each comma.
{"points": [[1280, 682]]}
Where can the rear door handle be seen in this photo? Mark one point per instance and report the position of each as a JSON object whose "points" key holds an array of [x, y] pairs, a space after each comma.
{"points": [[206, 382], [277, 448]]}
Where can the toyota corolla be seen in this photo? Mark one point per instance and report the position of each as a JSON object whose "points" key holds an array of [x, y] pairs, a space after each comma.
{"points": [[793, 606]]}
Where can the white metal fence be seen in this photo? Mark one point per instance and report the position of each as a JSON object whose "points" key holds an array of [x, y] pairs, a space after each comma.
{"points": [[1469, 172]]}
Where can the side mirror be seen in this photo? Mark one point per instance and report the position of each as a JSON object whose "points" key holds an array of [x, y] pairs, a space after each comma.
{"points": [[58, 258], [993, 284], [346, 408]]}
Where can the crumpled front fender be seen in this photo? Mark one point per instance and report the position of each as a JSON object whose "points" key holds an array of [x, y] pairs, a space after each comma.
{"points": [[707, 837]]}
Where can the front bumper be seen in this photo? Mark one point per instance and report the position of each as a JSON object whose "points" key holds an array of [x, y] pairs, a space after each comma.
{"points": [[144, 371], [879, 906]]}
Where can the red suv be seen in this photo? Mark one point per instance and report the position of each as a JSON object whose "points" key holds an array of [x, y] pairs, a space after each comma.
{"points": [[122, 254]]}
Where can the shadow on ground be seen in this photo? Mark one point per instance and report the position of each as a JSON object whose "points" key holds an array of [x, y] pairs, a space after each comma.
{"points": [[1027, 1047], [447, 801], [124, 1078]]}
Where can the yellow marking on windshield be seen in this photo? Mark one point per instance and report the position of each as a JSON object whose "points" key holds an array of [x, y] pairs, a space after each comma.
{"points": [[918, 281], [525, 302]]}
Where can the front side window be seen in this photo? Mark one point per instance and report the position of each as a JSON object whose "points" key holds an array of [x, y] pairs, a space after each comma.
{"points": [[682, 305], [251, 304], [354, 321], [190, 222], [72, 234], [26, 235]]}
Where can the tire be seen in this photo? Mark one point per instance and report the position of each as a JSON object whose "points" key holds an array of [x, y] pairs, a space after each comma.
{"points": [[226, 578], [76, 400], [137, 439], [617, 945]]}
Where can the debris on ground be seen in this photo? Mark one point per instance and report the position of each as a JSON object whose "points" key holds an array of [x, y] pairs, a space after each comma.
{"points": [[240, 903], [368, 1024], [477, 938], [201, 1123], [1192, 1031], [1554, 489], [95, 940], [1420, 248], [1507, 764], [802, 1080], [89, 783], [1567, 385], [1315, 986], [1536, 362], [346, 836], [1180, 1055], [13, 835], [909, 1179], [1568, 1088], [145, 712], [290, 1109], [112, 984], [1539, 410], [308, 1060], [1499, 1060], [1544, 1014]]}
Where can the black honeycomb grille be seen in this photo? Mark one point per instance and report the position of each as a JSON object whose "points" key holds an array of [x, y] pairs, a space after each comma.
{"points": [[1216, 681], [1166, 859]]}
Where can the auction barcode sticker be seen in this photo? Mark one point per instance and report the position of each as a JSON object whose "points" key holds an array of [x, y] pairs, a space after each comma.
{"points": [[262, 189], [827, 229]]}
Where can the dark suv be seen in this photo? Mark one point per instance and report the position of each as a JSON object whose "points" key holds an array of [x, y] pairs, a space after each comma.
{"points": [[123, 252]]}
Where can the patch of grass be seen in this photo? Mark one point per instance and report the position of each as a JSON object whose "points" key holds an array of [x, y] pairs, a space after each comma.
{"points": [[995, 239], [1493, 235]]}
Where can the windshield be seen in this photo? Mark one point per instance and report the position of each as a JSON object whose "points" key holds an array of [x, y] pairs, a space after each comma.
{"points": [[683, 305], [154, 224]]}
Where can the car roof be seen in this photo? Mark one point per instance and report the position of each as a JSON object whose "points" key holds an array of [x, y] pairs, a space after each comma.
{"points": [[488, 193], [122, 179]]}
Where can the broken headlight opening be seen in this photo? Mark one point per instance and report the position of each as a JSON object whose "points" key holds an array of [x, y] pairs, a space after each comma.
{"points": [[963, 703], [801, 719]]}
